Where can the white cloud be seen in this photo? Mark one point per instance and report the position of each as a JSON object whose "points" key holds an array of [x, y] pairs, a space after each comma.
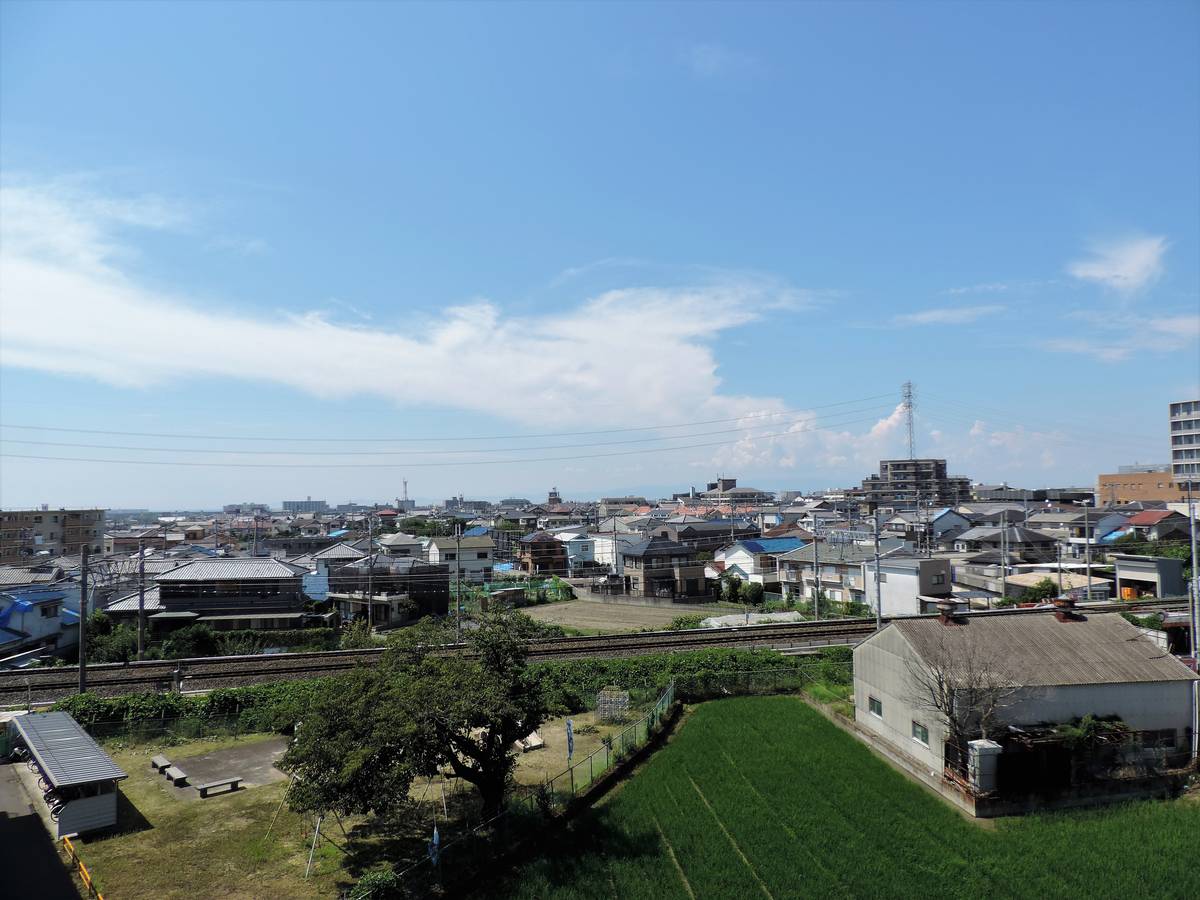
{"points": [[714, 60], [1127, 265], [951, 315], [69, 307], [991, 287], [1125, 336]]}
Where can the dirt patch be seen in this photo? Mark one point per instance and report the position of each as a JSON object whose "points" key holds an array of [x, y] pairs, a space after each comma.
{"points": [[613, 617]]}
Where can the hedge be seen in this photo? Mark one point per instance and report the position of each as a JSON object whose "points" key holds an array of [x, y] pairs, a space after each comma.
{"points": [[569, 686]]}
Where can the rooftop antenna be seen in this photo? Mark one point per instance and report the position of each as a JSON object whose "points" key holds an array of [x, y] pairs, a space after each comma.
{"points": [[907, 403]]}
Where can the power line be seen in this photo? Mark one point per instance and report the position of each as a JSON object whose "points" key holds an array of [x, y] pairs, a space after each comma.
{"points": [[393, 452], [387, 465], [494, 437]]}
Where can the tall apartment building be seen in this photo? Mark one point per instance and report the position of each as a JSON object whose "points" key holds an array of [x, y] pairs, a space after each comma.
{"points": [[1185, 444], [902, 483], [308, 505], [25, 534]]}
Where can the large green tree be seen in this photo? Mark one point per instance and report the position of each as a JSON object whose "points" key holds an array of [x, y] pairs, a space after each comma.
{"points": [[420, 710]]}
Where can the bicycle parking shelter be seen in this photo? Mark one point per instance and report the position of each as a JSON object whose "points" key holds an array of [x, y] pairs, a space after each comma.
{"points": [[78, 778]]}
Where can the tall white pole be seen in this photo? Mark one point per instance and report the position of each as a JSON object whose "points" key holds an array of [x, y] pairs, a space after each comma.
{"points": [[878, 588]]}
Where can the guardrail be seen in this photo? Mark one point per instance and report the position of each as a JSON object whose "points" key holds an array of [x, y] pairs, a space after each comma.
{"points": [[84, 875]]}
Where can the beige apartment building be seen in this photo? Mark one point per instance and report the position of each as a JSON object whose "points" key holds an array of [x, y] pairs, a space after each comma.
{"points": [[1127, 487], [26, 534]]}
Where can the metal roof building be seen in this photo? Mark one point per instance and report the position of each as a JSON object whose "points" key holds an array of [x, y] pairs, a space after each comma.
{"points": [[83, 778], [66, 753]]}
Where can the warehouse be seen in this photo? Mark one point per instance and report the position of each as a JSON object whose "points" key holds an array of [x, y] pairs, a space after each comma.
{"points": [[77, 779], [1052, 667]]}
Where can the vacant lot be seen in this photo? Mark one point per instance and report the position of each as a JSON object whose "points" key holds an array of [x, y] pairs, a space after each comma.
{"points": [[761, 797], [592, 615]]}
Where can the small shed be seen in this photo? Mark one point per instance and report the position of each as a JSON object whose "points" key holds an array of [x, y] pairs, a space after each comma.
{"points": [[81, 778]]}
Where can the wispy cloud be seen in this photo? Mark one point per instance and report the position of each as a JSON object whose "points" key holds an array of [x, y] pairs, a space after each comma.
{"points": [[242, 246], [949, 315], [990, 287], [715, 60], [1124, 337], [1126, 265]]}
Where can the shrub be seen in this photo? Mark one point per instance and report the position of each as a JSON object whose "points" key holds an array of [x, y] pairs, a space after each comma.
{"points": [[686, 623]]}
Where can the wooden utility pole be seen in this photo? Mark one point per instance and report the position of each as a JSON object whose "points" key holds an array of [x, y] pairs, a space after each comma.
{"points": [[83, 616], [141, 647], [370, 572]]}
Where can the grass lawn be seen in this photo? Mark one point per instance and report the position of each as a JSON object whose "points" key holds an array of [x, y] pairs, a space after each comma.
{"points": [[762, 797], [206, 848]]}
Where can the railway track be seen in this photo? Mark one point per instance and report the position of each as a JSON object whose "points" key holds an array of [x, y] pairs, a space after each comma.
{"points": [[20, 687]]}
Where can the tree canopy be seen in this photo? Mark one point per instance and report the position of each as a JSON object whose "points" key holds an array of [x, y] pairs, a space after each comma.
{"points": [[370, 733]]}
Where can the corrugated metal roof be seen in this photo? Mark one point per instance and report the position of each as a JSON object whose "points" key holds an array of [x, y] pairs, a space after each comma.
{"points": [[236, 569], [1036, 649], [66, 753], [129, 603], [339, 551]]}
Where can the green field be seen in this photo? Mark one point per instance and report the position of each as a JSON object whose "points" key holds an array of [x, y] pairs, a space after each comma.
{"points": [[761, 796]]}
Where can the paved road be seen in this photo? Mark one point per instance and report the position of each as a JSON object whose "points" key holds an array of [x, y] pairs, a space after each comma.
{"points": [[29, 862]]}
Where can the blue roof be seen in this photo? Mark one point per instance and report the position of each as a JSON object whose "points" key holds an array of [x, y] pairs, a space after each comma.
{"points": [[503, 567], [339, 532], [773, 545], [478, 531], [1113, 536]]}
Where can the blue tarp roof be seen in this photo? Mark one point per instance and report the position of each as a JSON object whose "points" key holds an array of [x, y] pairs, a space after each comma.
{"points": [[503, 567], [478, 531], [773, 545], [339, 532], [1113, 536]]}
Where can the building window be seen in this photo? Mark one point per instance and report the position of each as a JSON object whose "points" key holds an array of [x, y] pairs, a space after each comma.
{"points": [[939, 579], [451, 556], [875, 706], [49, 612], [883, 577], [920, 734], [482, 554]]}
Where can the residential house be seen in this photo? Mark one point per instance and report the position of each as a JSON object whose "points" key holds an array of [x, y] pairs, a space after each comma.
{"points": [[399, 590], [319, 564], [581, 551], [1075, 529], [541, 553], [609, 546], [841, 570], [469, 558], [659, 567], [705, 535], [399, 545], [242, 592], [757, 559], [1024, 544], [35, 620], [908, 585], [1159, 525]]}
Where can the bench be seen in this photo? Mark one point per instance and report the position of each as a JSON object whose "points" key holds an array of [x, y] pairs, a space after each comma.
{"points": [[159, 763], [175, 775], [232, 783]]}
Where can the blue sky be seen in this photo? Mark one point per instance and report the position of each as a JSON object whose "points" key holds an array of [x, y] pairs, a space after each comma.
{"points": [[224, 223]]}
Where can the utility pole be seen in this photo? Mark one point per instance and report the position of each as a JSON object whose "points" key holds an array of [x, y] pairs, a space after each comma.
{"points": [[83, 615], [1058, 560], [816, 571], [1003, 560], [1087, 549], [141, 600], [878, 587], [1194, 618], [458, 581], [370, 573]]}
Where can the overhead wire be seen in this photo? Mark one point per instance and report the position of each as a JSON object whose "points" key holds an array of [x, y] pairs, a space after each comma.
{"points": [[786, 420], [402, 439]]}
